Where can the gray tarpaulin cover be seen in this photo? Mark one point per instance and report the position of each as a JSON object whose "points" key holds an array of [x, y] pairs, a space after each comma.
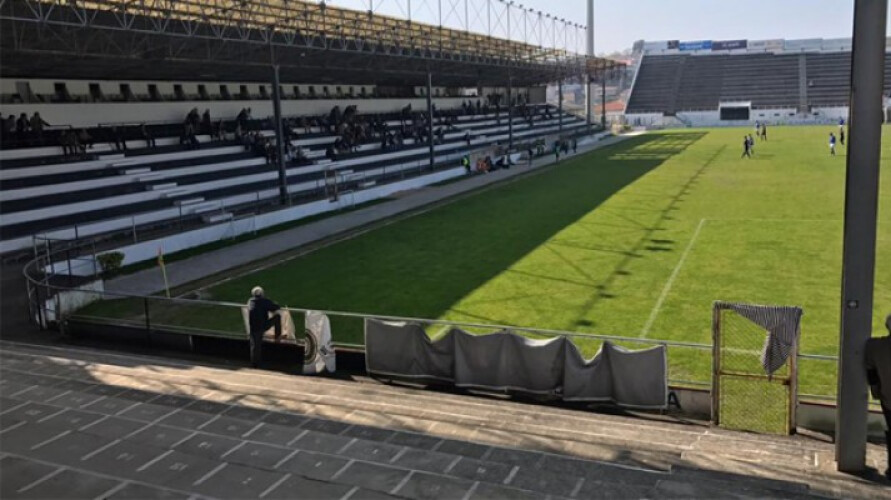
{"points": [[506, 361]]}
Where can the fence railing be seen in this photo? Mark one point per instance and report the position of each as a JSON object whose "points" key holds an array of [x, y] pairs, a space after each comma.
{"points": [[56, 302]]}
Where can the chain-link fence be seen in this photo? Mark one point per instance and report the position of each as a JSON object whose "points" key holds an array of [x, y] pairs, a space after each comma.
{"points": [[744, 396]]}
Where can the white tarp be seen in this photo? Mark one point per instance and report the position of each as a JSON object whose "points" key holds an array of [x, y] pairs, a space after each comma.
{"points": [[318, 351], [505, 361]]}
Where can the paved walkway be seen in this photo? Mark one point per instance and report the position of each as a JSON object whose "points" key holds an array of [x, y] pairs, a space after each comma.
{"points": [[212, 263], [79, 423]]}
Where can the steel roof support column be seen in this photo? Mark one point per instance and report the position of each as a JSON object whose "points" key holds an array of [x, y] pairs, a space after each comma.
{"points": [[510, 114], [279, 138], [560, 104], [589, 102], [603, 98], [430, 118], [861, 206]]}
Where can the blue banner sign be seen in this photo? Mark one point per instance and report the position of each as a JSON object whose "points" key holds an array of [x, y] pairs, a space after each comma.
{"points": [[697, 45]]}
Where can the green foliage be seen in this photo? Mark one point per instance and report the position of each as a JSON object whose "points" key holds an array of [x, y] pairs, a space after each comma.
{"points": [[110, 263]]}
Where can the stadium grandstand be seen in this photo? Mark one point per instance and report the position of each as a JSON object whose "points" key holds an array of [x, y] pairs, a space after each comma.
{"points": [[120, 137], [776, 81], [431, 249]]}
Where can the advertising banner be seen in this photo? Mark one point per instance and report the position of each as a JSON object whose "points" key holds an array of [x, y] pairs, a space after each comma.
{"points": [[695, 45], [729, 44], [810, 44], [655, 46], [837, 44], [673, 44]]}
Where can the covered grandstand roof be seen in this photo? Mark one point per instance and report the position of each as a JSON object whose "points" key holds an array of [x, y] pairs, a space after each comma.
{"points": [[238, 40]]}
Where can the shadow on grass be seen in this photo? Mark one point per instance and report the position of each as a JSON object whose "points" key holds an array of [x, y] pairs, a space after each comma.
{"points": [[421, 266]]}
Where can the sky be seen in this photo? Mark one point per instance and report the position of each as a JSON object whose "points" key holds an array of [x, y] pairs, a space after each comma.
{"points": [[618, 23]]}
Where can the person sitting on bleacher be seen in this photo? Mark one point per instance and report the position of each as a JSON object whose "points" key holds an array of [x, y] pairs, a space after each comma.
{"points": [[330, 154], [84, 141], [9, 126], [206, 123], [146, 136], [22, 127], [120, 144], [68, 139], [37, 124], [242, 118]]}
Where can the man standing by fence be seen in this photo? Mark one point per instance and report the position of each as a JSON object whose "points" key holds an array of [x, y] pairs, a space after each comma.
{"points": [[260, 317], [878, 373]]}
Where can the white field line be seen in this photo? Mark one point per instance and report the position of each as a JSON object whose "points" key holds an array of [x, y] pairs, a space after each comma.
{"points": [[667, 288]]}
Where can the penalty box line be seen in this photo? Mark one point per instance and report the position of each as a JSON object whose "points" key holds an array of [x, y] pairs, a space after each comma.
{"points": [[667, 288], [645, 331]]}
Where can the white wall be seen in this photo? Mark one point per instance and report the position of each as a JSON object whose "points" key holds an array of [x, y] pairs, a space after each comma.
{"points": [[90, 114]]}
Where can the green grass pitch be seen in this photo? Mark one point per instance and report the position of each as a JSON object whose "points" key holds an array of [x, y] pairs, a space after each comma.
{"points": [[636, 240]]}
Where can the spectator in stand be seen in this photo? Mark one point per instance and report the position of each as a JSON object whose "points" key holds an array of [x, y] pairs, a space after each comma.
{"points": [[120, 143], [194, 119], [465, 162], [22, 127], [575, 146], [66, 139], [242, 118], [37, 124], [330, 154], [85, 141], [9, 125], [206, 124], [146, 136]]}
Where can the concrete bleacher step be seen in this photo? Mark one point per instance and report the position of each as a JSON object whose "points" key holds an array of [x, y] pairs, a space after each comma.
{"points": [[202, 207], [388, 439], [177, 191], [213, 218], [134, 171], [162, 186], [189, 201]]}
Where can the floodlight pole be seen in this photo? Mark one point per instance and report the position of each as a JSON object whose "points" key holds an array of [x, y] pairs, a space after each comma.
{"points": [[430, 118], [589, 51], [861, 207], [279, 137], [560, 103], [588, 101]]}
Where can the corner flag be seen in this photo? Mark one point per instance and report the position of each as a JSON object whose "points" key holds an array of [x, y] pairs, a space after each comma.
{"points": [[163, 271]]}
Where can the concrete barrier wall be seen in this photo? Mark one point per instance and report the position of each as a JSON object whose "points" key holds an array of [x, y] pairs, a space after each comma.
{"points": [[92, 113]]}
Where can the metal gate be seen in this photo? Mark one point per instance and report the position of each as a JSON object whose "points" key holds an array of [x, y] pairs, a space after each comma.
{"points": [[744, 396]]}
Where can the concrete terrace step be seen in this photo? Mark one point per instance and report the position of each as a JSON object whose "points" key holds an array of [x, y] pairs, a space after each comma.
{"points": [[67, 414], [386, 427]]}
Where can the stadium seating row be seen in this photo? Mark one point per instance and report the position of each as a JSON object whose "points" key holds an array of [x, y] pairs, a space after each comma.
{"points": [[114, 191], [675, 83]]}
